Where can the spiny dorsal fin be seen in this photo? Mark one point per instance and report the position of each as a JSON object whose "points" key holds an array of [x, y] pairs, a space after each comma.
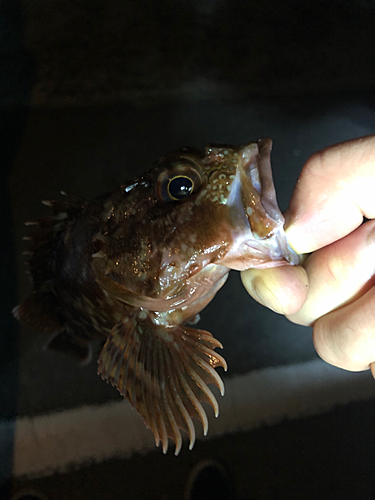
{"points": [[163, 372], [41, 310], [46, 238]]}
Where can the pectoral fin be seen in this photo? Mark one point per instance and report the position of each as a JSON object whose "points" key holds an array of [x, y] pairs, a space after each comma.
{"points": [[163, 372]]}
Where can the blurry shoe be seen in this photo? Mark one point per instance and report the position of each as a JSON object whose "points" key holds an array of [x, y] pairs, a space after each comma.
{"points": [[209, 481]]}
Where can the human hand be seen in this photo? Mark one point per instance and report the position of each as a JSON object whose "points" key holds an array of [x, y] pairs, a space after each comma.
{"points": [[333, 289]]}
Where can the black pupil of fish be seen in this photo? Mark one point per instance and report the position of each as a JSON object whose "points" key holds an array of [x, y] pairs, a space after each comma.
{"points": [[180, 187]]}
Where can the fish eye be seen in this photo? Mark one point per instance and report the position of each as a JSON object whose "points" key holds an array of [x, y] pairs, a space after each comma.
{"points": [[180, 187], [178, 180]]}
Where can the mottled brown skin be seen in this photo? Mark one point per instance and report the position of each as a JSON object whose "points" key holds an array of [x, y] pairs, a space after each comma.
{"points": [[132, 268]]}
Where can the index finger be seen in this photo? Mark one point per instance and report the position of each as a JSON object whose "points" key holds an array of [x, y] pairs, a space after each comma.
{"points": [[335, 190]]}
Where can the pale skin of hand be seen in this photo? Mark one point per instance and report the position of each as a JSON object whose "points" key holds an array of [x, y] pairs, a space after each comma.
{"points": [[333, 290]]}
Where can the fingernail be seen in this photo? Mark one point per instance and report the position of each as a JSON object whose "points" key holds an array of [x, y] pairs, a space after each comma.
{"points": [[294, 236], [265, 296]]}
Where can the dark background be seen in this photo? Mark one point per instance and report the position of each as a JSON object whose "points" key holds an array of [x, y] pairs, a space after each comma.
{"points": [[92, 92]]}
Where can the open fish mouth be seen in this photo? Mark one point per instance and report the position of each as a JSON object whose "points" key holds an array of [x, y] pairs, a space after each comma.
{"points": [[261, 242], [257, 189]]}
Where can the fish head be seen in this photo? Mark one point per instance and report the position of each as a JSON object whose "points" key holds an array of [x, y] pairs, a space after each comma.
{"points": [[196, 210], [222, 205]]}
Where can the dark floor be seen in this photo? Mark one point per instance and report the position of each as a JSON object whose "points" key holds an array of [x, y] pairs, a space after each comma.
{"points": [[83, 124], [328, 457]]}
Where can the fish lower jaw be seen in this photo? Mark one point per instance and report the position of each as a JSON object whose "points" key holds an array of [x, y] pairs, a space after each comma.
{"points": [[251, 252]]}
